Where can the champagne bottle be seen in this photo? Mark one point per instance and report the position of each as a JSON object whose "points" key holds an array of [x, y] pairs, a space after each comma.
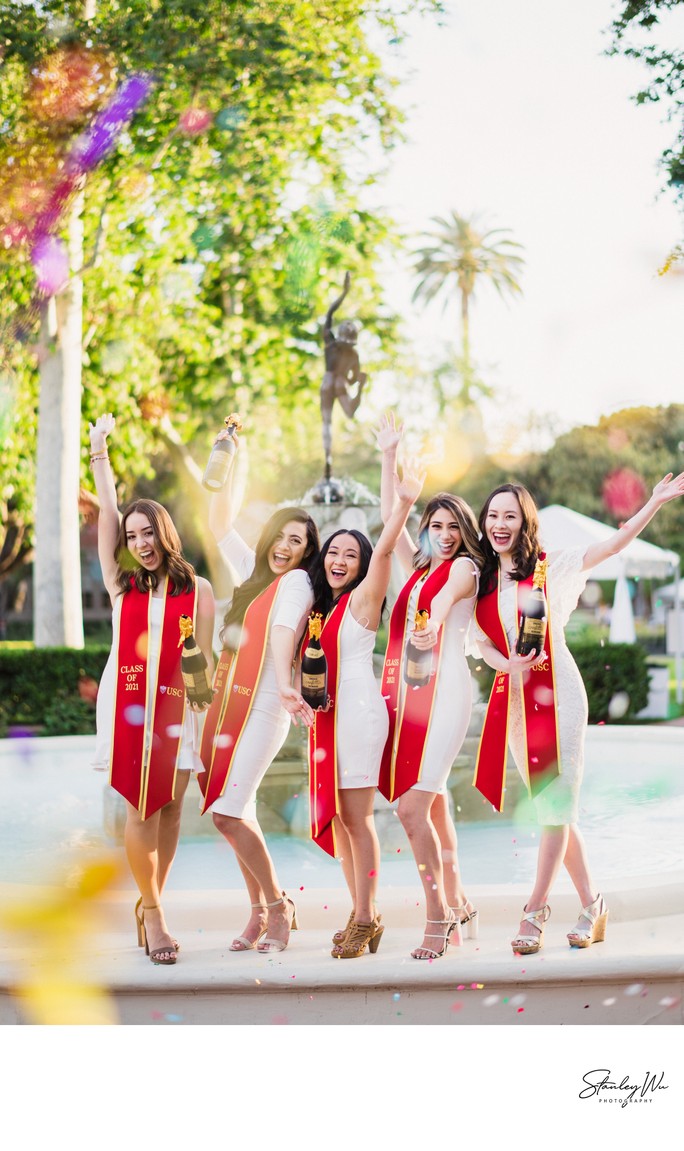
{"points": [[418, 663], [194, 667], [315, 666], [218, 464], [534, 614]]}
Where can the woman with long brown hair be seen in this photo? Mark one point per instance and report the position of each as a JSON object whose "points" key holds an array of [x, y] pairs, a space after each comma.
{"points": [[256, 700], [538, 704], [428, 724], [147, 733]]}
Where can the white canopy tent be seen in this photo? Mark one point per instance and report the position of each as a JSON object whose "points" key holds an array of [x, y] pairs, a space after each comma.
{"points": [[561, 527]]}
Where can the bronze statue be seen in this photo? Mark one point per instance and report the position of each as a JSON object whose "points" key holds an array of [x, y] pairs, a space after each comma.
{"points": [[342, 371]]}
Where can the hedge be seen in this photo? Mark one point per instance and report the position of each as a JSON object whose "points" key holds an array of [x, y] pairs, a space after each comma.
{"points": [[50, 690], [615, 675]]}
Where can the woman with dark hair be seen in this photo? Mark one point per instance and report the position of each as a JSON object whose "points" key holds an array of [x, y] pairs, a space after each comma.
{"points": [[350, 580], [428, 724], [538, 705], [147, 734], [255, 698]]}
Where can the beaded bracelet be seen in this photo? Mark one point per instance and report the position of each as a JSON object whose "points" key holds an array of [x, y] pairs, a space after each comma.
{"points": [[99, 456]]}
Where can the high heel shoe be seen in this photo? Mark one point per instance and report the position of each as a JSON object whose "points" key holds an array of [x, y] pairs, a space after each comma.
{"points": [[531, 944], [140, 929], [156, 955], [450, 925], [465, 919], [358, 937], [596, 915], [249, 944], [340, 936], [268, 944]]}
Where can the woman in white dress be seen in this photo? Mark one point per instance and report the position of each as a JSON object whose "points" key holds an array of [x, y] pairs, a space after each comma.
{"points": [[547, 708], [350, 580], [266, 618], [428, 724], [146, 736]]}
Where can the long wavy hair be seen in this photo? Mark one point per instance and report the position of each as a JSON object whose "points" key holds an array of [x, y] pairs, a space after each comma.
{"points": [[464, 515], [262, 575], [323, 594], [527, 548], [166, 539]]}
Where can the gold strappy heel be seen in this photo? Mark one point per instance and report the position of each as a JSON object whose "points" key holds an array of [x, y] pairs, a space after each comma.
{"points": [[358, 937]]}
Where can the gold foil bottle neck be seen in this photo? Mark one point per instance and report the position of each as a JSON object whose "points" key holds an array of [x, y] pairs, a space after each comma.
{"points": [[185, 625], [539, 577], [421, 620], [233, 421], [315, 625]]}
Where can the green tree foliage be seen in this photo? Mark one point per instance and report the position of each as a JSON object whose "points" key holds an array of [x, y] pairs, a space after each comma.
{"points": [[636, 30], [216, 230]]}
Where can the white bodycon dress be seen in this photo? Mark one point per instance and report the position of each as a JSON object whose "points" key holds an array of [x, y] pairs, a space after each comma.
{"points": [[362, 720], [453, 694], [269, 722]]}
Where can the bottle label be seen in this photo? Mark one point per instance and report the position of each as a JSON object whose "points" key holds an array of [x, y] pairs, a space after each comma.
{"points": [[314, 653], [533, 627], [313, 683], [417, 670]]}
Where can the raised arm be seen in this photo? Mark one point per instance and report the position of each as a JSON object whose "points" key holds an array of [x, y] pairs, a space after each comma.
{"points": [[668, 489], [221, 502], [366, 601], [108, 518], [388, 436]]}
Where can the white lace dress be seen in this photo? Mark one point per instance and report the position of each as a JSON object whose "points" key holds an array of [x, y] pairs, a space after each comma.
{"points": [[558, 802]]}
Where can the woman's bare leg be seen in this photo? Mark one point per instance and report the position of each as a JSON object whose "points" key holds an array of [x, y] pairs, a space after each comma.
{"points": [[356, 814], [414, 812]]}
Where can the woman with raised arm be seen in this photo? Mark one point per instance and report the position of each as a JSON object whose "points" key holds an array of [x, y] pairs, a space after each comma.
{"points": [[249, 720], [350, 580], [428, 724], [538, 705], [147, 732]]}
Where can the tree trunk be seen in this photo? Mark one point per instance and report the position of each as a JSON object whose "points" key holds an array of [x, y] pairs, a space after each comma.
{"points": [[57, 605]]}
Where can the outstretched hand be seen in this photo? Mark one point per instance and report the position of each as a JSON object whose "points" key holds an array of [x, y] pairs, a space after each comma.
{"points": [[100, 430], [409, 487], [669, 488], [388, 433]]}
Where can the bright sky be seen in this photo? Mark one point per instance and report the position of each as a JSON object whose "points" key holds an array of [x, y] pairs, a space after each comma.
{"points": [[514, 113]]}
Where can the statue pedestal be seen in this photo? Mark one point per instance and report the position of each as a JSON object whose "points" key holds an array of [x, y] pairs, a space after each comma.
{"points": [[328, 491]]}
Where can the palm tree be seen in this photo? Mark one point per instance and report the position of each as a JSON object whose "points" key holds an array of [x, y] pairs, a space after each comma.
{"points": [[462, 252]]}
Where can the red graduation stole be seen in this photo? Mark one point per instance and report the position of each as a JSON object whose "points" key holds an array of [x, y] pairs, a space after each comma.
{"points": [[237, 678], [323, 798], [542, 743], [144, 757], [409, 717]]}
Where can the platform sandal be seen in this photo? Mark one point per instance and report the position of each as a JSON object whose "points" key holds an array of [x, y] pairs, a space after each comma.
{"points": [[531, 944], [596, 916], [340, 936]]}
